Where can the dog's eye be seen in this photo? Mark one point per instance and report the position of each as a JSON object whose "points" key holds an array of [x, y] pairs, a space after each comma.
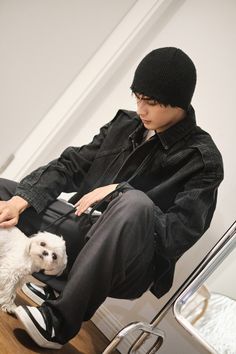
{"points": [[54, 256], [43, 244]]}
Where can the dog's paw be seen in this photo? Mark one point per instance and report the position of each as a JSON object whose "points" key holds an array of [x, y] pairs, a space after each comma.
{"points": [[9, 308]]}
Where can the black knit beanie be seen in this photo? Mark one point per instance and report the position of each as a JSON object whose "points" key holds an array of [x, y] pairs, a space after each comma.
{"points": [[167, 75]]}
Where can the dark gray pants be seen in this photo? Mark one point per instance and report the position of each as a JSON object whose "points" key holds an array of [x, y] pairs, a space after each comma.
{"points": [[113, 257]]}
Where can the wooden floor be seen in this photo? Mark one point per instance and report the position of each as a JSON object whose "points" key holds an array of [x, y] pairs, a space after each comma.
{"points": [[14, 339]]}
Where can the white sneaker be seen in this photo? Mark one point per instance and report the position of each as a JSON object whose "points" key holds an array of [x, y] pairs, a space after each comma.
{"points": [[38, 293], [38, 324]]}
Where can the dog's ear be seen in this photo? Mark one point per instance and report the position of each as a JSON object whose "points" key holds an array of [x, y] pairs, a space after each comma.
{"points": [[61, 238]]}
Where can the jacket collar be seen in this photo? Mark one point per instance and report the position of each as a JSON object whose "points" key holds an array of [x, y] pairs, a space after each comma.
{"points": [[137, 135], [170, 136], [175, 133]]}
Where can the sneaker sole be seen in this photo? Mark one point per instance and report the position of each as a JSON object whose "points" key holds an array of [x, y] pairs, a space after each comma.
{"points": [[31, 295], [32, 330]]}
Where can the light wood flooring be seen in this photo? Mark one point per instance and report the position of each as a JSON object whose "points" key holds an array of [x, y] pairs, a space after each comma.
{"points": [[14, 339]]}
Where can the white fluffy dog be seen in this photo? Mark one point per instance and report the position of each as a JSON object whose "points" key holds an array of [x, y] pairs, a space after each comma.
{"points": [[21, 256]]}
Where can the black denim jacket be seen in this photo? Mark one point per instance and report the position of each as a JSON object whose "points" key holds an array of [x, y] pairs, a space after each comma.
{"points": [[179, 169]]}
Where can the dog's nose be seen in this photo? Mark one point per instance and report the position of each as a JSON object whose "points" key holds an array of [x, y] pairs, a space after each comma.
{"points": [[54, 256], [45, 253]]}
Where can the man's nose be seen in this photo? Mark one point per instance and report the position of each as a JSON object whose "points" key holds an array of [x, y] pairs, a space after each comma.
{"points": [[141, 107]]}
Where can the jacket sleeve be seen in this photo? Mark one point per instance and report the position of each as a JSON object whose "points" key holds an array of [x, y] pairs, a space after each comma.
{"points": [[64, 174], [190, 216], [179, 227]]}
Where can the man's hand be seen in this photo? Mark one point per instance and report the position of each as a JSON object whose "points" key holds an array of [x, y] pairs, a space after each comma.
{"points": [[95, 196], [10, 211]]}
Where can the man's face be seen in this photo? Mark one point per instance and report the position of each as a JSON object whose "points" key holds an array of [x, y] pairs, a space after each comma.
{"points": [[156, 116]]}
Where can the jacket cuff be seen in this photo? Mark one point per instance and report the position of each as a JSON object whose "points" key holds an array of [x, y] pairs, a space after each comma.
{"points": [[36, 199]]}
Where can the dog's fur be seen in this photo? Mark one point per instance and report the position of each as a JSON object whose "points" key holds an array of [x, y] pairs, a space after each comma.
{"points": [[21, 256]]}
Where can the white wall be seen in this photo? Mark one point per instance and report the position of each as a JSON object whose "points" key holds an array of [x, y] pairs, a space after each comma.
{"points": [[44, 45]]}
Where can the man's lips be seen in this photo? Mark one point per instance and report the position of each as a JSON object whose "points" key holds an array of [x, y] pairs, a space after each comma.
{"points": [[145, 121]]}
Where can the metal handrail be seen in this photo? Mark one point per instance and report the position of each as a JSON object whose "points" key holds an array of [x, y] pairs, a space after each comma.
{"points": [[134, 326]]}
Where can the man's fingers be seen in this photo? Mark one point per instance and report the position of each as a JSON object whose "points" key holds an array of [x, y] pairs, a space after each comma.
{"points": [[83, 207], [4, 215], [91, 198], [9, 223], [85, 202], [8, 218]]}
